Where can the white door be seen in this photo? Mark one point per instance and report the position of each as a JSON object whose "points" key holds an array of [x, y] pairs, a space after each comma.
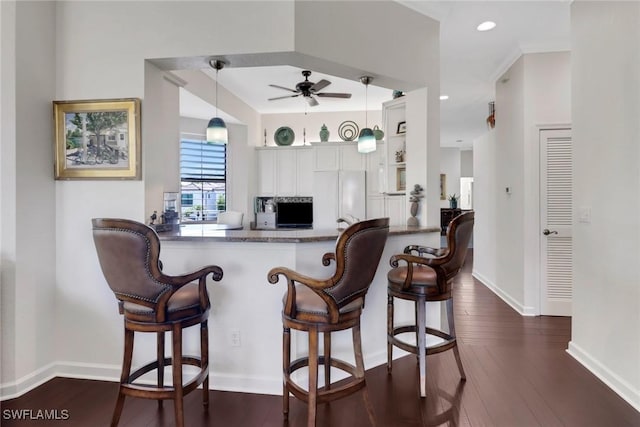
{"points": [[556, 199]]}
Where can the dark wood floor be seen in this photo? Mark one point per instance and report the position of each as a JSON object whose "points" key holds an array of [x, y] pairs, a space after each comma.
{"points": [[518, 374]]}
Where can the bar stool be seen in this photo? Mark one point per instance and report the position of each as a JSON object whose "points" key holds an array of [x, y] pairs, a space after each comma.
{"points": [[426, 279], [152, 301], [330, 305]]}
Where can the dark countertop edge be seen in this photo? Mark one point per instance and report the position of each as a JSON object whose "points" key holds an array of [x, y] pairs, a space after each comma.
{"points": [[241, 236]]}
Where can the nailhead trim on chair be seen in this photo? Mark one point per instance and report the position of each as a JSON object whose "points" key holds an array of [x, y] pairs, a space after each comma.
{"points": [[165, 288]]}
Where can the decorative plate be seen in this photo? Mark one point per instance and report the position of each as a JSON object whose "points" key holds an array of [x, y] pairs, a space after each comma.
{"points": [[284, 136], [348, 130]]}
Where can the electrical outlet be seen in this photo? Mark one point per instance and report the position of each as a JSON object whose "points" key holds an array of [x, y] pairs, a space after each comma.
{"points": [[235, 338]]}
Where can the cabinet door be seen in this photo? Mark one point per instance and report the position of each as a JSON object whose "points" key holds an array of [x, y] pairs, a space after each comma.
{"points": [[375, 207], [350, 159], [285, 172], [396, 210], [304, 172], [266, 172], [326, 158], [375, 171]]}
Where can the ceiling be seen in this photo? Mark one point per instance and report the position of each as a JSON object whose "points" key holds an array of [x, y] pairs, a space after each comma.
{"points": [[471, 63]]}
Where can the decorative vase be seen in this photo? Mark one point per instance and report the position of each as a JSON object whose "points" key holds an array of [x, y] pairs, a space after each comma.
{"points": [[324, 133], [378, 133], [453, 203]]}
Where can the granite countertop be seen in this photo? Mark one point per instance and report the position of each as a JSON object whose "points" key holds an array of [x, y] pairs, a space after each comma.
{"points": [[208, 232]]}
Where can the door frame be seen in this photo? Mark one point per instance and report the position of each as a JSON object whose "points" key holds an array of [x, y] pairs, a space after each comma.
{"points": [[533, 287]]}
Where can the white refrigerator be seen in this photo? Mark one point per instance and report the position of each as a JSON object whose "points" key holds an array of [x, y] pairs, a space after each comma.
{"points": [[337, 194]]}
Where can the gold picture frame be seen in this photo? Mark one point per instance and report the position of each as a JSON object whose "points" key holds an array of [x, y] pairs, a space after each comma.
{"points": [[443, 186], [401, 179], [97, 139]]}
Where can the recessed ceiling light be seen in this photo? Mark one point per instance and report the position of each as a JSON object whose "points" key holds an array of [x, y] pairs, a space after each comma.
{"points": [[443, 97], [486, 26]]}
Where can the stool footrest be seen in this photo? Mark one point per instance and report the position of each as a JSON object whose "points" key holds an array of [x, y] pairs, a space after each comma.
{"points": [[448, 343], [352, 384]]}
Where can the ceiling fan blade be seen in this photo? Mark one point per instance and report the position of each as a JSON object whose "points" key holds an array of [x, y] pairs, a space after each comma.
{"points": [[311, 100], [334, 95], [320, 85], [284, 88], [283, 97]]}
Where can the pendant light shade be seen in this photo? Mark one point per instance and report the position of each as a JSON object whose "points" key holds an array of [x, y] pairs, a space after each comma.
{"points": [[366, 139], [217, 129]]}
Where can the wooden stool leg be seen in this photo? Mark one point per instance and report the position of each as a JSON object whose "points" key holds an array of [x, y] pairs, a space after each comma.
{"points": [[327, 360], [124, 376], [286, 361], [452, 332], [357, 350], [204, 360], [160, 356], [176, 334], [389, 332], [420, 330], [313, 377]]}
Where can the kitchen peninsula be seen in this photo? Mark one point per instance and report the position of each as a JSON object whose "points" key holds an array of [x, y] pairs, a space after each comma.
{"points": [[245, 324], [209, 232]]}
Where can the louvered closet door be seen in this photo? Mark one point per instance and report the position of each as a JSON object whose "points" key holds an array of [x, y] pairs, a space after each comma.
{"points": [[556, 199]]}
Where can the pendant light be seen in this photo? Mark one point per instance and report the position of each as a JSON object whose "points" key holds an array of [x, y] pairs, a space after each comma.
{"points": [[217, 129], [366, 139]]}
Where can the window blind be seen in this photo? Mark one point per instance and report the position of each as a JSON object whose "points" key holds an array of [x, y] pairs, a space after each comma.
{"points": [[202, 162]]}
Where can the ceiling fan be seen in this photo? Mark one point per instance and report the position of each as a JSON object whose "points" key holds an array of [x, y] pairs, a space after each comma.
{"points": [[310, 89]]}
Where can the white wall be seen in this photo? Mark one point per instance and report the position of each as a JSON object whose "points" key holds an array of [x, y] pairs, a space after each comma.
{"points": [[485, 192], [466, 163], [28, 204], [535, 91], [450, 166], [510, 135], [606, 133]]}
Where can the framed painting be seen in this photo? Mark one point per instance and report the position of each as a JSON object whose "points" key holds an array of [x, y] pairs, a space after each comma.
{"points": [[97, 139], [443, 186]]}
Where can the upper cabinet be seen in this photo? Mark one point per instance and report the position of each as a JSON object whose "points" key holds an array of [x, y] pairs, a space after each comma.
{"points": [[395, 129], [288, 171], [285, 171], [333, 156]]}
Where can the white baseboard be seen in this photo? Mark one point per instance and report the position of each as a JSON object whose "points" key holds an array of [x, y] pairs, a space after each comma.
{"points": [[521, 309], [102, 372], [26, 383], [613, 381]]}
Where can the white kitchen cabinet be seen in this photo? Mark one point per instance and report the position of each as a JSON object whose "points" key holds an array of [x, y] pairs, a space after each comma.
{"points": [[350, 158], [376, 171], [304, 172], [285, 171], [392, 206], [266, 172], [395, 207], [333, 156]]}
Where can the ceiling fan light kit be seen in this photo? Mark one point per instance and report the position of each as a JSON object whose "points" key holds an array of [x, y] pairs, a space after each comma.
{"points": [[217, 129], [366, 139]]}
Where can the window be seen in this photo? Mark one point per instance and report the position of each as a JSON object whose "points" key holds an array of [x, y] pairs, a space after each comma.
{"points": [[203, 176]]}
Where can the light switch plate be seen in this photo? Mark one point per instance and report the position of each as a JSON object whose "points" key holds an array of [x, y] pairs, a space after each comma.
{"points": [[584, 215]]}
